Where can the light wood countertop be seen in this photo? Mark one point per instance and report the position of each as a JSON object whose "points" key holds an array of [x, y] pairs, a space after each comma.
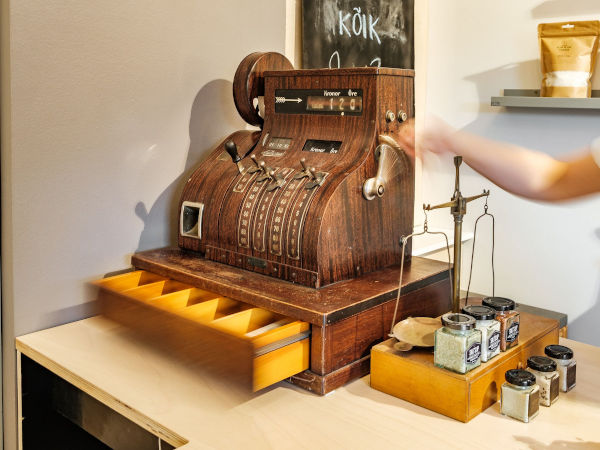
{"points": [[186, 407]]}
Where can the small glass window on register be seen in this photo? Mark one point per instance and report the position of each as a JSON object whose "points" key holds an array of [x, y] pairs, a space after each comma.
{"points": [[320, 103]]}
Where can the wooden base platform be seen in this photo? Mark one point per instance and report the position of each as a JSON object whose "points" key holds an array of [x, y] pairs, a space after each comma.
{"points": [[413, 377], [347, 318]]}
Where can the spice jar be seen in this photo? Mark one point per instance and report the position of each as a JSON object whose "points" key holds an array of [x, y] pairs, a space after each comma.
{"points": [[485, 321], [520, 396], [566, 365], [509, 320], [457, 343], [546, 377]]}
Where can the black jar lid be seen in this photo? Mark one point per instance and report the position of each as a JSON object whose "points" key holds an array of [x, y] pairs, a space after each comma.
{"points": [[520, 377], [458, 321], [558, 352], [541, 364], [480, 312], [499, 303]]}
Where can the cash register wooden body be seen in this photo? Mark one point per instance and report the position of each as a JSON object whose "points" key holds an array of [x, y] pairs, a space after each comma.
{"points": [[315, 227], [302, 219]]}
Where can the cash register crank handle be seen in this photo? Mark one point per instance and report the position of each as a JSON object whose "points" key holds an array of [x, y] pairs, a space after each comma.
{"points": [[388, 154]]}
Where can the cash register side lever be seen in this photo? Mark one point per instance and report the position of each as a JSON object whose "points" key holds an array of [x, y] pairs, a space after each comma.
{"points": [[231, 148]]}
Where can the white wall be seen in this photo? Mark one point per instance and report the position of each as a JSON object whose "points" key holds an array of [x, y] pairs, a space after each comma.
{"points": [[110, 103], [546, 255]]}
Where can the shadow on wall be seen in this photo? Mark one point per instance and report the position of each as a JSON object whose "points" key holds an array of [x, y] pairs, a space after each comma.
{"points": [[543, 128], [588, 321], [213, 117], [521, 75], [564, 8], [555, 132]]}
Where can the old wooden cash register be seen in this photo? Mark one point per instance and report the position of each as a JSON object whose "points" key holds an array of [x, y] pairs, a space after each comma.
{"points": [[289, 234]]}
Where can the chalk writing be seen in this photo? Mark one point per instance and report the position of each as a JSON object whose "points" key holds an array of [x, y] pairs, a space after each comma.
{"points": [[357, 33], [359, 25]]}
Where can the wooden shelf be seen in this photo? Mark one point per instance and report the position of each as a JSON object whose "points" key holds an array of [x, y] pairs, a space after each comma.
{"points": [[530, 98]]}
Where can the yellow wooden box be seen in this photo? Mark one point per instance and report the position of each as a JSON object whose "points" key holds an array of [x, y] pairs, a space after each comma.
{"points": [[413, 377]]}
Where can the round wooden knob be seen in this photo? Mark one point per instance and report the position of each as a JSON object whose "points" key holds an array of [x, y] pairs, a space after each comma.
{"points": [[249, 82]]}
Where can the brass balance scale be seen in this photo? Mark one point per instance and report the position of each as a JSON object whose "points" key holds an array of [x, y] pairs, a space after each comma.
{"points": [[403, 365]]}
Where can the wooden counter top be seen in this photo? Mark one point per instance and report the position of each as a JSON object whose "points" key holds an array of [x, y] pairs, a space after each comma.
{"points": [[188, 408]]}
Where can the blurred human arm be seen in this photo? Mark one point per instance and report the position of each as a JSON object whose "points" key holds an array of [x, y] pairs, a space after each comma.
{"points": [[524, 172]]}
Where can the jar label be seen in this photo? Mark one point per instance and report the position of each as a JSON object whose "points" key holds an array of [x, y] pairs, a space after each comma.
{"points": [[512, 333], [534, 404], [473, 353], [571, 375], [554, 389], [494, 342]]}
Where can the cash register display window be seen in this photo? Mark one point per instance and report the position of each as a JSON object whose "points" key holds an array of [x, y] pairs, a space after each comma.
{"points": [[279, 143], [345, 104], [327, 102], [318, 146]]}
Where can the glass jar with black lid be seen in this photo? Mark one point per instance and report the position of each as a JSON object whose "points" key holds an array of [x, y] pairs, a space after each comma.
{"points": [[457, 343], [546, 377], [509, 320], [520, 397], [566, 365], [485, 321]]}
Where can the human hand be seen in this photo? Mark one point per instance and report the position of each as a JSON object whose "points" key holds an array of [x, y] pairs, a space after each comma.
{"points": [[436, 136]]}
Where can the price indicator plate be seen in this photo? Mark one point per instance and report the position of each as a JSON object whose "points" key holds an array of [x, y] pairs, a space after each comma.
{"points": [[329, 102]]}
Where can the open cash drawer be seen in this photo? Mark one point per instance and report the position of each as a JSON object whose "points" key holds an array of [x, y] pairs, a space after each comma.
{"points": [[238, 341]]}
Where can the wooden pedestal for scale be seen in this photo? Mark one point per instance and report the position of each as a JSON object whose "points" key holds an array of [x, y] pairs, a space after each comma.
{"points": [[346, 318], [412, 376]]}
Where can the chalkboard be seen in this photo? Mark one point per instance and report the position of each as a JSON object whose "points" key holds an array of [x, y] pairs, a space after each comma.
{"points": [[357, 33]]}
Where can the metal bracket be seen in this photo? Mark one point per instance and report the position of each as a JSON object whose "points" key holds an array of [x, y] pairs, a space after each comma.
{"points": [[282, 343]]}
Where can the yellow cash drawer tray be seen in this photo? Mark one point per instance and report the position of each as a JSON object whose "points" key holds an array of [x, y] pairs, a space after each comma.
{"points": [[243, 343]]}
